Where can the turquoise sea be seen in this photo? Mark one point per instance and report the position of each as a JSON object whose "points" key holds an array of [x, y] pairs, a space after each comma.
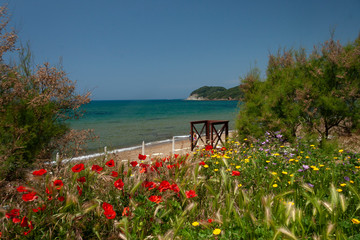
{"points": [[125, 123]]}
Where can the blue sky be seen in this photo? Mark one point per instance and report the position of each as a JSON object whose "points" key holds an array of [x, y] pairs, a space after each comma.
{"points": [[165, 49]]}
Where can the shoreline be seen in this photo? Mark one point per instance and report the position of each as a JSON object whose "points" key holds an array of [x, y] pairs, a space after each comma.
{"points": [[161, 148]]}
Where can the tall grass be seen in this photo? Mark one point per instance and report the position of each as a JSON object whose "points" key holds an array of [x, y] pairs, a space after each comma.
{"points": [[282, 192]]}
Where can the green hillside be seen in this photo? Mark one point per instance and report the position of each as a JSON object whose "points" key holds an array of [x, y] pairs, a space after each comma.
{"points": [[217, 93]]}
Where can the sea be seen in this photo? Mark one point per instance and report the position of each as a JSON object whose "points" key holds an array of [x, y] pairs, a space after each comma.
{"points": [[126, 124]]}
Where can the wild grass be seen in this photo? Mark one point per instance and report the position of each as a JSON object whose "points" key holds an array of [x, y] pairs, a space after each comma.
{"points": [[246, 190]]}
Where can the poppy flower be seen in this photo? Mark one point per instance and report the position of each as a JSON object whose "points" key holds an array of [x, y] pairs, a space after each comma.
{"points": [[175, 187], [119, 184], [149, 185], [170, 166], [24, 222], [58, 184], [50, 198], [110, 163], [202, 163], [155, 199], [158, 164], [142, 157], [235, 173], [39, 172], [108, 210], [164, 185], [114, 174], [48, 191], [96, 168], [78, 167], [190, 194], [29, 197], [81, 179], [223, 149], [210, 220], [208, 147], [22, 189], [126, 211], [61, 198], [16, 220], [134, 163], [79, 190], [13, 213], [176, 156]]}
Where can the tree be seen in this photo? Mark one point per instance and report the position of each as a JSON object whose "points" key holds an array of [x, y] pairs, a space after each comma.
{"points": [[34, 107], [304, 95]]}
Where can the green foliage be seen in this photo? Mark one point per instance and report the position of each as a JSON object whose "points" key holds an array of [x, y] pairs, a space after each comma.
{"points": [[34, 105], [313, 97], [214, 93]]}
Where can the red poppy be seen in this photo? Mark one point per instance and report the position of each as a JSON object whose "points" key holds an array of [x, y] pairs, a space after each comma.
{"points": [[210, 220], [134, 163], [61, 198], [142, 157], [22, 189], [29, 197], [235, 173], [119, 184], [158, 164], [175, 187], [110, 163], [223, 149], [79, 190], [176, 156], [208, 147], [114, 174], [24, 222], [96, 168], [50, 198], [58, 184], [149, 185], [190, 194], [202, 163], [126, 211], [13, 213], [164, 185], [155, 199], [108, 210], [81, 179], [39, 172], [48, 191], [78, 167], [16, 220], [170, 166]]}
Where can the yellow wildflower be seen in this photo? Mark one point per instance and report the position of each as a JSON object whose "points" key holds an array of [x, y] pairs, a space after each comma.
{"points": [[343, 184], [351, 181], [339, 190], [195, 224], [216, 170], [275, 185], [237, 167], [315, 169], [206, 166], [284, 172], [341, 150], [240, 185], [355, 221], [217, 231], [273, 173], [267, 161]]}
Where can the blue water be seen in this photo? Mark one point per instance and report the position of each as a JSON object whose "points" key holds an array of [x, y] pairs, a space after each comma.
{"points": [[125, 123]]}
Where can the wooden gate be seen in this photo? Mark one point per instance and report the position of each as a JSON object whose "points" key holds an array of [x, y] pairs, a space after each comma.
{"points": [[214, 130]]}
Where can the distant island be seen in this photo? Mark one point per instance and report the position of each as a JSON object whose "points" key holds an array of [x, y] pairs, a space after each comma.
{"points": [[216, 93]]}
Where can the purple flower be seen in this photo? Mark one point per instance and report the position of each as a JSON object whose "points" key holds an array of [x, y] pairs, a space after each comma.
{"points": [[310, 185], [306, 167], [300, 170], [261, 149], [266, 167], [279, 136], [347, 178]]}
